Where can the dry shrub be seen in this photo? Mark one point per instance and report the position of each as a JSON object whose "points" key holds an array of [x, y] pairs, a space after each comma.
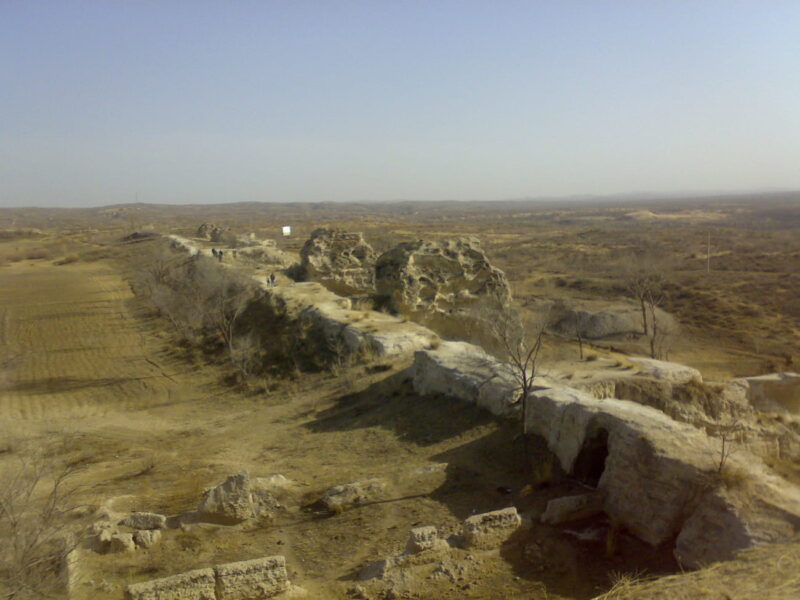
{"points": [[19, 233], [36, 536], [621, 585], [734, 478]]}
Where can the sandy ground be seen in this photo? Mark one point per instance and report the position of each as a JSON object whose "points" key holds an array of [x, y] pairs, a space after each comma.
{"points": [[97, 380]]}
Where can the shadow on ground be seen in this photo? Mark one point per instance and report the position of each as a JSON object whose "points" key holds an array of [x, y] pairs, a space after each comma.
{"points": [[392, 404], [487, 472]]}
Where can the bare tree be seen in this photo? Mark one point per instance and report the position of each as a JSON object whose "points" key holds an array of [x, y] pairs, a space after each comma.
{"points": [[728, 435], [245, 353], [664, 332], [579, 333], [518, 344], [224, 296], [201, 300], [646, 286], [653, 298], [35, 540], [163, 278]]}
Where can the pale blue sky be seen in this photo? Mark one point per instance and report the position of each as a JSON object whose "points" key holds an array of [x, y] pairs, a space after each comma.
{"points": [[201, 101]]}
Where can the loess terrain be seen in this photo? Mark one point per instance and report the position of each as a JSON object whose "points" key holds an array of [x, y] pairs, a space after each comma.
{"points": [[90, 377]]}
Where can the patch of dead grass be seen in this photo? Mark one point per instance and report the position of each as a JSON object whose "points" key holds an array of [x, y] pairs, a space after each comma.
{"points": [[770, 572]]}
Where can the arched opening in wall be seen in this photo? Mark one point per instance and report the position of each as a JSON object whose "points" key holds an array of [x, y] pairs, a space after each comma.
{"points": [[591, 461]]}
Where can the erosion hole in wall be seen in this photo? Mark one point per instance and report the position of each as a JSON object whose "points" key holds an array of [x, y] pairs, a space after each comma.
{"points": [[591, 461]]}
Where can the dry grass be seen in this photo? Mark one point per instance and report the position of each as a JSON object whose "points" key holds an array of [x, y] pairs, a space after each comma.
{"points": [[734, 478], [622, 584], [764, 573]]}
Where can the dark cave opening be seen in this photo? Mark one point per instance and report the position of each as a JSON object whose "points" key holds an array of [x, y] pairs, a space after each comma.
{"points": [[591, 460]]}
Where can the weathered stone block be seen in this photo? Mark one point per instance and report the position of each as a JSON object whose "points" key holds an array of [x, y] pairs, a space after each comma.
{"points": [[192, 585], [424, 538], [112, 542], [147, 538], [252, 579], [572, 508], [144, 520], [490, 529]]}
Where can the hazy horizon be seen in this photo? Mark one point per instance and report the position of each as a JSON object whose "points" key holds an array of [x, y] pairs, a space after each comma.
{"points": [[634, 198], [203, 102]]}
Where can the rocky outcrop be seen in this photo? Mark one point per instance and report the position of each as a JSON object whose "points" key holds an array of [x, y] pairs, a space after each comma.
{"points": [[356, 332], [345, 496], [447, 285], [237, 499], [676, 390], [724, 521], [461, 370], [656, 474], [666, 371], [776, 392], [105, 538], [341, 261], [180, 244], [147, 538], [215, 233], [115, 542], [593, 321], [267, 255]]}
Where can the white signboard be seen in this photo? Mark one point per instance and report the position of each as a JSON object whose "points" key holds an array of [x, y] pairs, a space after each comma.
{"points": [[287, 231]]}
